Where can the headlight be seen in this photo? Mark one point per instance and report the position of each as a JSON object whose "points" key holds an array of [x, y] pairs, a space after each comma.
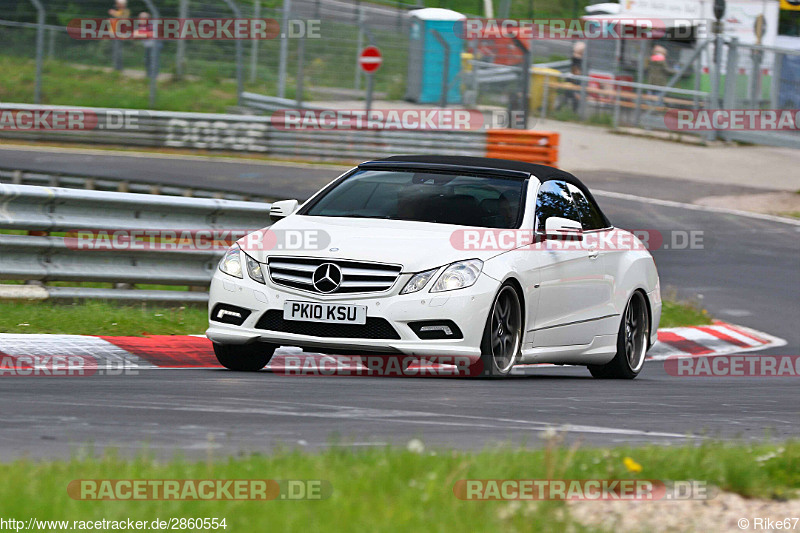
{"points": [[418, 281], [458, 275], [231, 262], [254, 269]]}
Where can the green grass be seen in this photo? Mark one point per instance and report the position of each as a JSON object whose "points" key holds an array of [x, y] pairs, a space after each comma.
{"points": [[101, 318], [64, 84], [675, 314], [390, 489], [104, 318]]}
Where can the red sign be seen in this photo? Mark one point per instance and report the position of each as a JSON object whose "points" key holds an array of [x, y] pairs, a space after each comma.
{"points": [[370, 59]]}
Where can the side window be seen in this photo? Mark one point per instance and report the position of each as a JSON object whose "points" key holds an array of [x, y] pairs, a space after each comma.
{"points": [[554, 200], [591, 218]]}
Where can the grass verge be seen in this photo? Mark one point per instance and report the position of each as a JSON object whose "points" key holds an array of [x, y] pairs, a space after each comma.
{"points": [[391, 489], [676, 314], [101, 318], [104, 318]]}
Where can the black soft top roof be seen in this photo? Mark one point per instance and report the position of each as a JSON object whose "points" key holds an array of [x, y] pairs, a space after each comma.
{"points": [[542, 172]]}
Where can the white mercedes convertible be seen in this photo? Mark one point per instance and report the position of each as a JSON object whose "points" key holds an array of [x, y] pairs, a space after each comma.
{"points": [[501, 262]]}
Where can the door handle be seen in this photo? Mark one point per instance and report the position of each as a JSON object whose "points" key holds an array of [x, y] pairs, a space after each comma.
{"points": [[593, 253]]}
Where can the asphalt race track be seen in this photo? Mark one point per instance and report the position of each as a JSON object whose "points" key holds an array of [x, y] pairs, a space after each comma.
{"points": [[747, 273]]}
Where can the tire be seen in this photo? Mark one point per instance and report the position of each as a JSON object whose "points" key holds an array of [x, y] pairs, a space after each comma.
{"points": [[244, 357], [632, 339], [502, 336]]}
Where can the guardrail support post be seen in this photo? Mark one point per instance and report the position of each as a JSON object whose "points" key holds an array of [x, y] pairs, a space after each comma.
{"points": [[40, 15]]}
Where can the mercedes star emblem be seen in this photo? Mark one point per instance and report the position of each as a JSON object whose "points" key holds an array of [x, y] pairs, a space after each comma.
{"points": [[327, 277]]}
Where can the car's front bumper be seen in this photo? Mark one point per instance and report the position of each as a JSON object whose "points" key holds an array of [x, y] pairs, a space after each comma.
{"points": [[468, 308]]}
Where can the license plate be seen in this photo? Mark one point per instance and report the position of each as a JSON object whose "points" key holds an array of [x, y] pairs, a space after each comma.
{"points": [[325, 312]]}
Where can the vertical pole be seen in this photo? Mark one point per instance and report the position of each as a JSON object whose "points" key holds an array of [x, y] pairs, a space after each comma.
{"points": [[526, 83], [716, 78], [40, 14], [153, 66], [729, 93], [359, 46], [732, 65], [637, 115], [755, 79], [445, 76], [370, 79], [284, 50], [584, 83], [180, 52], [698, 70], [254, 45], [399, 16], [51, 44], [301, 52], [239, 68], [545, 94], [775, 89], [617, 88]]}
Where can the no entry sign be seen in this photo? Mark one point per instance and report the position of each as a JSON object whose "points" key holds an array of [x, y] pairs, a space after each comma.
{"points": [[370, 59]]}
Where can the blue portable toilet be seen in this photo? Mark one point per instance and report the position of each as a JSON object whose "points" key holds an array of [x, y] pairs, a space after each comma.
{"points": [[426, 55]]}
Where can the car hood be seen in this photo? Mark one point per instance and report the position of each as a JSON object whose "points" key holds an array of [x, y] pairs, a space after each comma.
{"points": [[417, 246]]}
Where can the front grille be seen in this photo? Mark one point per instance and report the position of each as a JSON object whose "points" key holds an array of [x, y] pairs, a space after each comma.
{"points": [[357, 276], [375, 328]]}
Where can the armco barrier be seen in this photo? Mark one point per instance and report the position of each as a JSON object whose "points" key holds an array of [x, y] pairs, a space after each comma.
{"points": [[523, 145], [257, 134], [44, 258]]}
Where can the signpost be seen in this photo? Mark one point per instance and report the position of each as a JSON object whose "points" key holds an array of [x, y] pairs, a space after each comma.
{"points": [[370, 60]]}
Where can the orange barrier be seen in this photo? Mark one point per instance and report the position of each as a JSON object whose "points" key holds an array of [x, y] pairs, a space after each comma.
{"points": [[523, 145]]}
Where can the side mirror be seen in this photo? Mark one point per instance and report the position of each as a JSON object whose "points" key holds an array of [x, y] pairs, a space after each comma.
{"points": [[562, 229], [282, 209]]}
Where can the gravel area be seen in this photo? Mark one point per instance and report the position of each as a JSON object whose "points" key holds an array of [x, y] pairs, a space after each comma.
{"points": [[725, 512]]}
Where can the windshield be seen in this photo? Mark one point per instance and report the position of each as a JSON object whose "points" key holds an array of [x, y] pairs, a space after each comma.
{"points": [[426, 197]]}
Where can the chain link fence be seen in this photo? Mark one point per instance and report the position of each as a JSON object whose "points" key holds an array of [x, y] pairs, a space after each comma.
{"points": [[612, 82], [326, 60]]}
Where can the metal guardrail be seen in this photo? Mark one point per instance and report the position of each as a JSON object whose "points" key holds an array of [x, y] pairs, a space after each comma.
{"points": [[147, 185], [43, 258], [243, 133]]}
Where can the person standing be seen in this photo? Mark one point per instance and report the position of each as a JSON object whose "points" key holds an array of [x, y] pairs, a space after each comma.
{"points": [[658, 71], [575, 69], [144, 32], [119, 11]]}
